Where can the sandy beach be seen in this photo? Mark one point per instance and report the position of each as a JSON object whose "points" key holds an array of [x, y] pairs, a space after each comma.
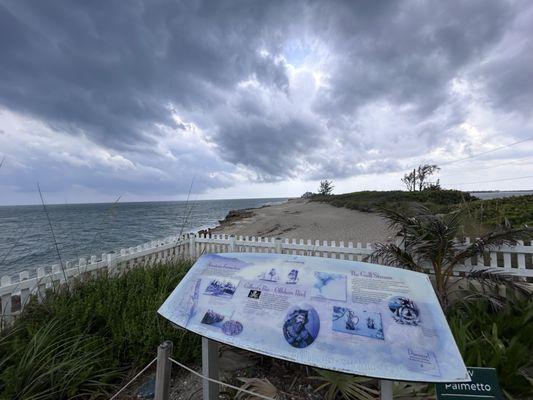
{"points": [[303, 219]]}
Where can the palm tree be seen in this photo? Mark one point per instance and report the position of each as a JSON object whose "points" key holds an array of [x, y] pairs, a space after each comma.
{"points": [[436, 242]]}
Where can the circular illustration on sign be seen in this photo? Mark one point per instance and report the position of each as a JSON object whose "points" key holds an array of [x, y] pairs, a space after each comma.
{"points": [[301, 326], [232, 327], [404, 311]]}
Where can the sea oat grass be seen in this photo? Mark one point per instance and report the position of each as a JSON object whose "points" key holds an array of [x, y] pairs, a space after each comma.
{"points": [[108, 324]]}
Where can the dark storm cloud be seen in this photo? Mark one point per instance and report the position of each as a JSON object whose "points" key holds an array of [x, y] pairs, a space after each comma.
{"points": [[110, 71], [271, 147], [510, 81], [115, 72], [405, 52]]}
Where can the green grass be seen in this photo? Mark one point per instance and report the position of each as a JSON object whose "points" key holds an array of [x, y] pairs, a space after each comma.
{"points": [[484, 214], [516, 210], [111, 322], [435, 200], [56, 362]]}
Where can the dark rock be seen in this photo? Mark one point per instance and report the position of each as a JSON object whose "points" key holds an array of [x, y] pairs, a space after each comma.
{"points": [[235, 215], [147, 390]]}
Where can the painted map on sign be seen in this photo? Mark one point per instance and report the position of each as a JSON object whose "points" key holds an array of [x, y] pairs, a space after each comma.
{"points": [[347, 316]]}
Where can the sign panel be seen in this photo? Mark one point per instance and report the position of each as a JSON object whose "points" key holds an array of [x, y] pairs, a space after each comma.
{"points": [[483, 386], [347, 316]]}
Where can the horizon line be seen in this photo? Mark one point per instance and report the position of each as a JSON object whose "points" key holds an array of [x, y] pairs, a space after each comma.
{"points": [[240, 198]]}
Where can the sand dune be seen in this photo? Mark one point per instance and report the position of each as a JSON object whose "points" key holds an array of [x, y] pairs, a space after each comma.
{"points": [[302, 219]]}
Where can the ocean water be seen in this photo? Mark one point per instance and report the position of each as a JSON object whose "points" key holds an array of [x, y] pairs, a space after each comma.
{"points": [[81, 230], [500, 195]]}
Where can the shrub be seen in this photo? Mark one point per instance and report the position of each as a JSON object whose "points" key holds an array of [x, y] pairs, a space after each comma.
{"points": [[123, 310], [436, 200], [430, 241], [57, 362], [114, 322], [515, 210], [501, 340]]}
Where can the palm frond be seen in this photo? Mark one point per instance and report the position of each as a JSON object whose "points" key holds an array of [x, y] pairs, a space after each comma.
{"points": [[397, 219], [409, 390], [488, 284], [500, 237], [260, 386], [393, 255], [431, 240], [350, 387]]}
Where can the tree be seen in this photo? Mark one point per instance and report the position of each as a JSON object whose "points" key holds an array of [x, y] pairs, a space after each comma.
{"points": [[325, 188], [431, 241], [410, 180], [423, 173], [418, 178]]}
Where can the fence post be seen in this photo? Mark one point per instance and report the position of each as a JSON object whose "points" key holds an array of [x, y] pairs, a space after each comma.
{"points": [[278, 245], [232, 239], [192, 246], [210, 368], [162, 375], [385, 390], [5, 312], [41, 284], [24, 291], [111, 264]]}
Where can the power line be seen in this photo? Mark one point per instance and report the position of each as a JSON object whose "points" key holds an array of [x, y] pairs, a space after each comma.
{"points": [[493, 180], [486, 152], [525, 160], [477, 154]]}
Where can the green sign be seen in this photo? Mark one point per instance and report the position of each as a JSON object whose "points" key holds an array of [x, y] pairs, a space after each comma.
{"points": [[484, 386]]}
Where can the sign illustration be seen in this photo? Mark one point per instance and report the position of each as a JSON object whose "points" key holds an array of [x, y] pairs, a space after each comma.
{"points": [[346, 316]]}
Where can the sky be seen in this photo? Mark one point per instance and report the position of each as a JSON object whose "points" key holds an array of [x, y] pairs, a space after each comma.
{"points": [[151, 100]]}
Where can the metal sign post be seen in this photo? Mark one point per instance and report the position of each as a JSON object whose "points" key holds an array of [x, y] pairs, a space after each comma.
{"points": [[385, 390], [210, 368]]}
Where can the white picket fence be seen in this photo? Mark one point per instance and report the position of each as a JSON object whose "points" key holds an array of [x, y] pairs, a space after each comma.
{"points": [[15, 292]]}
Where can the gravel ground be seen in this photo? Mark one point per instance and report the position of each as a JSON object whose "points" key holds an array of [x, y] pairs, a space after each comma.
{"points": [[291, 380]]}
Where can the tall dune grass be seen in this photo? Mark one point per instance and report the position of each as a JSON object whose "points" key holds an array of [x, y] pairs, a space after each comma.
{"points": [[81, 338]]}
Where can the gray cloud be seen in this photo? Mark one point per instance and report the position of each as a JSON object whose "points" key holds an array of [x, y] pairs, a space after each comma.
{"points": [[408, 52], [117, 75], [111, 71]]}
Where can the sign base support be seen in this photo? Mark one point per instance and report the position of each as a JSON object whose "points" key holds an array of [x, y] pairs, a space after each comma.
{"points": [[210, 368], [385, 390]]}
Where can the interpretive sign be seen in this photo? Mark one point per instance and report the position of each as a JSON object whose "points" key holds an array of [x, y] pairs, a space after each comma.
{"points": [[347, 316], [483, 386]]}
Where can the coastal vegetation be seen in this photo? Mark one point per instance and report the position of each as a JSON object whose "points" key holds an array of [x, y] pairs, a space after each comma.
{"points": [[481, 214], [433, 242], [501, 339], [370, 201], [325, 188], [489, 312], [84, 339], [513, 211], [90, 338], [418, 178]]}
